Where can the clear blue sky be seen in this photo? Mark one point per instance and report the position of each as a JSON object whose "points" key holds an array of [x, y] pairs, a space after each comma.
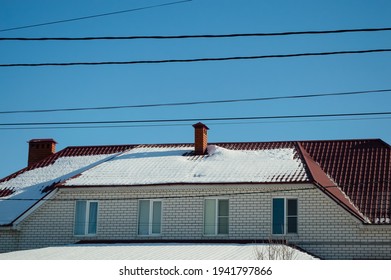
{"points": [[83, 86]]}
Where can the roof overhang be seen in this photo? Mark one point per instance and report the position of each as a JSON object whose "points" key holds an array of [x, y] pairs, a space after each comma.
{"points": [[28, 212], [62, 186]]}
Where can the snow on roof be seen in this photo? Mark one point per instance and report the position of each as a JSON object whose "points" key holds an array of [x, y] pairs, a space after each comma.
{"points": [[30, 186], [164, 165], [162, 251]]}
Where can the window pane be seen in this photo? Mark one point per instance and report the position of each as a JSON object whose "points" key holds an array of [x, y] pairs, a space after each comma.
{"points": [[292, 207], [143, 217], [222, 225], [278, 216], [223, 207], [156, 216], [93, 217], [292, 225], [80, 218], [210, 216]]}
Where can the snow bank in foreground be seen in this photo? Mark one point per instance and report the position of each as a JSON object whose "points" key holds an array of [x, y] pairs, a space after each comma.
{"points": [[172, 251]]}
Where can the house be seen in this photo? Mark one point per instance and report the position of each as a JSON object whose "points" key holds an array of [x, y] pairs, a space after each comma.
{"points": [[329, 198]]}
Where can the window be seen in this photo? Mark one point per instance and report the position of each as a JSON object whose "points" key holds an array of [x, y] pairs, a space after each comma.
{"points": [[149, 217], [216, 216], [284, 216], [86, 217]]}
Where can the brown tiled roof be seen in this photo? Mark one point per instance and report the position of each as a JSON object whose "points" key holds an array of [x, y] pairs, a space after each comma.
{"points": [[362, 169], [327, 185], [6, 192], [257, 145]]}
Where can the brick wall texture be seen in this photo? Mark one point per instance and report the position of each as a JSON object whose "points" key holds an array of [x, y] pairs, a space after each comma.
{"points": [[324, 228]]}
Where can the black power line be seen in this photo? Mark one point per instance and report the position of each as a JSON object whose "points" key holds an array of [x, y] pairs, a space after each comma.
{"points": [[199, 102], [203, 36], [183, 124], [200, 119], [92, 16], [192, 59]]}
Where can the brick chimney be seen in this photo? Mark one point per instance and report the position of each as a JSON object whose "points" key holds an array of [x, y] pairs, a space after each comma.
{"points": [[40, 149], [200, 138]]}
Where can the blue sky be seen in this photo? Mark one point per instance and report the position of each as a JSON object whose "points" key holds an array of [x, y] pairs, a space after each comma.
{"points": [[83, 86]]}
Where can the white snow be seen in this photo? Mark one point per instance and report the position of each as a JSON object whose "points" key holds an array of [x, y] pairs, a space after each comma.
{"points": [[162, 251], [29, 185], [151, 165], [157, 165], [382, 220]]}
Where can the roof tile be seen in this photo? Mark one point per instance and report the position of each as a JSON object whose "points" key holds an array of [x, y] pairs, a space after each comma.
{"points": [[361, 168]]}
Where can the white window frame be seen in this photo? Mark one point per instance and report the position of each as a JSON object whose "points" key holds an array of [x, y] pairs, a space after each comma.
{"points": [[150, 218], [286, 216], [216, 218], [87, 218]]}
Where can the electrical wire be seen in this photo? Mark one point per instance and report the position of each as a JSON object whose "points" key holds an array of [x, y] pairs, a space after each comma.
{"points": [[183, 124], [186, 124], [92, 16], [193, 59], [202, 36], [191, 103], [199, 119]]}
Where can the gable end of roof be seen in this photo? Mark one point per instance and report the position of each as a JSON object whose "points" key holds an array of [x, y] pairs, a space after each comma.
{"points": [[328, 186]]}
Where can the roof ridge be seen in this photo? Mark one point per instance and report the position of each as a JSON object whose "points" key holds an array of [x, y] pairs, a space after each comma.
{"points": [[233, 142], [97, 146], [300, 151]]}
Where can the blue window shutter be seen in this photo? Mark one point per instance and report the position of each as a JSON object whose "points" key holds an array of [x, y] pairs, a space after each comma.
{"points": [[223, 212], [156, 217], [93, 218], [80, 217], [278, 216], [210, 216], [143, 217], [292, 216]]}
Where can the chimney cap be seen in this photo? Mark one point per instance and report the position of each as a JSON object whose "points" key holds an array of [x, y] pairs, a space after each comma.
{"points": [[200, 125], [42, 140]]}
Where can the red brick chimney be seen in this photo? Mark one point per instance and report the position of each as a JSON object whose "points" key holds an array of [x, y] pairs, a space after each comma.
{"points": [[200, 138], [40, 149]]}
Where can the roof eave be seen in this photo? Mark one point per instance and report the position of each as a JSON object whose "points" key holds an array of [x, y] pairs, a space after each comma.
{"points": [[15, 223], [335, 194], [63, 186]]}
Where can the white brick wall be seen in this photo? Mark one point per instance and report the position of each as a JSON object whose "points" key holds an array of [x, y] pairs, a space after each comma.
{"points": [[8, 240], [325, 229]]}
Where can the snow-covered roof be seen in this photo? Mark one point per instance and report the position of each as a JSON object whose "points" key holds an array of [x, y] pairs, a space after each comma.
{"points": [[32, 185], [162, 251], [341, 168], [149, 165]]}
